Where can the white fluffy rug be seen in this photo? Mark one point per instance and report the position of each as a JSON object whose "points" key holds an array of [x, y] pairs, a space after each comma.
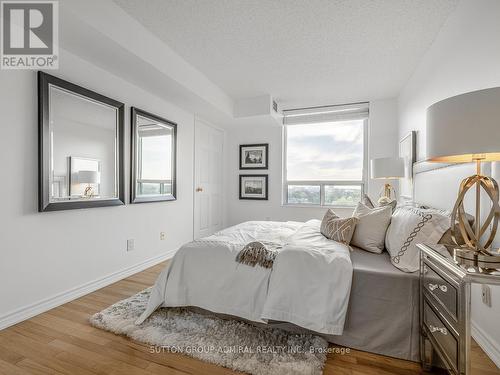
{"points": [[229, 343]]}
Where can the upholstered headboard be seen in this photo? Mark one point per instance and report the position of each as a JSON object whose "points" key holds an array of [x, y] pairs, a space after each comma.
{"points": [[436, 185]]}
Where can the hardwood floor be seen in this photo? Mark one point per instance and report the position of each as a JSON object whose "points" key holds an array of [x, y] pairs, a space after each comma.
{"points": [[61, 341]]}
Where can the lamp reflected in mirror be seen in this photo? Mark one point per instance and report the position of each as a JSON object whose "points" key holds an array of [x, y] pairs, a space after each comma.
{"points": [[89, 178]]}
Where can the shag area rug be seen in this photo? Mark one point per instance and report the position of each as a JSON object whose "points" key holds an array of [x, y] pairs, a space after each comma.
{"points": [[230, 343]]}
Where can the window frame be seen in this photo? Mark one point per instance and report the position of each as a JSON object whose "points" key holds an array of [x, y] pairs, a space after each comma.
{"points": [[322, 183]]}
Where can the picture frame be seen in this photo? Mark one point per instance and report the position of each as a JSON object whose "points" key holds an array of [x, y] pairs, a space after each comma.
{"points": [[254, 186], [408, 151], [254, 156]]}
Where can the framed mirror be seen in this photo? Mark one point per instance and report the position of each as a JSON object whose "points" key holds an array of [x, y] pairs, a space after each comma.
{"points": [[154, 154], [81, 137]]}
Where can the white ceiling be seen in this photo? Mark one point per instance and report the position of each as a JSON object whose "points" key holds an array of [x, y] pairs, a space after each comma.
{"points": [[304, 53]]}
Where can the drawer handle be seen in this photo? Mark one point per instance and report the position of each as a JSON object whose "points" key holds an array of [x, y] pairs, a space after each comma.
{"points": [[433, 287], [441, 330]]}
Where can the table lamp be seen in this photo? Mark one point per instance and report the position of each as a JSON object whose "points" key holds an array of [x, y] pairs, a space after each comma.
{"points": [[88, 177], [387, 169], [466, 129]]}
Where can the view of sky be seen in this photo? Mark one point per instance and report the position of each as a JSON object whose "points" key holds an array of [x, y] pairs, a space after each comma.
{"points": [[156, 160], [326, 151]]}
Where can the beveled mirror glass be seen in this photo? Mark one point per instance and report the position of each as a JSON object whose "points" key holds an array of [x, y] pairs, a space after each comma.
{"points": [[153, 158], [80, 147]]}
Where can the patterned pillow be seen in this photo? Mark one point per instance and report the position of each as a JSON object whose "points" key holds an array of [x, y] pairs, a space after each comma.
{"points": [[447, 238], [410, 226], [370, 232], [338, 229]]}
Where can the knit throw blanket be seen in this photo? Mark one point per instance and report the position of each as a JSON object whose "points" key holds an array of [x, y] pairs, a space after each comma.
{"points": [[260, 253]]}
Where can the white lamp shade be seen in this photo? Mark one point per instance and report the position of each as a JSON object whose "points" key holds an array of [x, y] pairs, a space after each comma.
{"points": [[88, 177], [388, 168], [465, 128]]}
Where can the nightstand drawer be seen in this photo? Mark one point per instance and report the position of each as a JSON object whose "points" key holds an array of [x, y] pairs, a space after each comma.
{"points": [[441, 289], [442, 334]]}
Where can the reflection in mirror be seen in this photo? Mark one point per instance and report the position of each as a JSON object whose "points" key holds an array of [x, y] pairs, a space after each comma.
{"points": [[83, 136], [80, 147], [153, 154], [85, 177]]}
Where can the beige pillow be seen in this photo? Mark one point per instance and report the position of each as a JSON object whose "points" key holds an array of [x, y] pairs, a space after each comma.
{"points": [[370, 231], [366, 200], [338, 229]]}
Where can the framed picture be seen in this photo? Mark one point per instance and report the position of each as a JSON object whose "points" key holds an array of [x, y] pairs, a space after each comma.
{"points": [[408, 151], [253, 186], [254, 156]]}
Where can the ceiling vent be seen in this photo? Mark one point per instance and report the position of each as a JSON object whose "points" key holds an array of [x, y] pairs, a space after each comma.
{"points": [[259, 110]]}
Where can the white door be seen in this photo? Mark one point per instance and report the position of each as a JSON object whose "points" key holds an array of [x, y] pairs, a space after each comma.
{"points": [[207, 179]]}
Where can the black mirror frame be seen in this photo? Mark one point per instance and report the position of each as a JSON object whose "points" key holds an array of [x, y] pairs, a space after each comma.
{"points": [[134, 112], [44, 204]]}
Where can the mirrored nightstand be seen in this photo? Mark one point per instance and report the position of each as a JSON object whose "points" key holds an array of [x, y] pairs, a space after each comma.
{"points": [[445, 307]]}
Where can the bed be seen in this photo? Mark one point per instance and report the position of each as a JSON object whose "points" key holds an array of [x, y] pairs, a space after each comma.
{"points": [[383, 308], [374, 306], [382, 317]]}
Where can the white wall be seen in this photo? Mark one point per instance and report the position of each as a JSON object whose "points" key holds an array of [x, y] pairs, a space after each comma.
{"points": [[464, 57], [45, 254], [382, 141]]}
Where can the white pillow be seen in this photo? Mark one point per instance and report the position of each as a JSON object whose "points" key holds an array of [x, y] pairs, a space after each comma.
{"points": [[410, 226], [369, 233]]}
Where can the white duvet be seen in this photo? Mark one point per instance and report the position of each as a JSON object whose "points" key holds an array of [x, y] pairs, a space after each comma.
{"points": [[308, 285]]}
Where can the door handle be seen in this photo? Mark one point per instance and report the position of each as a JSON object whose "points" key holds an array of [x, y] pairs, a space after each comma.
{"points": [[199, 189]]}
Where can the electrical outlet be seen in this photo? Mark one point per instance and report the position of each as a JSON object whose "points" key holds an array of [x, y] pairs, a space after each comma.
{"points": [[130, 244], [162, 236], [486, 295]]}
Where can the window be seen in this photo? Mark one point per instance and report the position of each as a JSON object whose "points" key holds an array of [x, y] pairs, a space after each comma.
{"points": [[325, 157]]}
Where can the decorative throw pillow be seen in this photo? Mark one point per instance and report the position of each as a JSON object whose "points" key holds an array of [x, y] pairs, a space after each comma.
{"points": [[366, 200], [410, 226], [392, 204], [370, 231], [338, 229]]}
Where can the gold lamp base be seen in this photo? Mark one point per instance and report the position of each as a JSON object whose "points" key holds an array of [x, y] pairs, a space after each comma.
{"points": [[387, 194], [475, 252]]}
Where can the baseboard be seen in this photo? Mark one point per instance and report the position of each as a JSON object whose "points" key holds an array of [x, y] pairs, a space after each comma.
{"points": [[486, 343], [44, 305]]}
